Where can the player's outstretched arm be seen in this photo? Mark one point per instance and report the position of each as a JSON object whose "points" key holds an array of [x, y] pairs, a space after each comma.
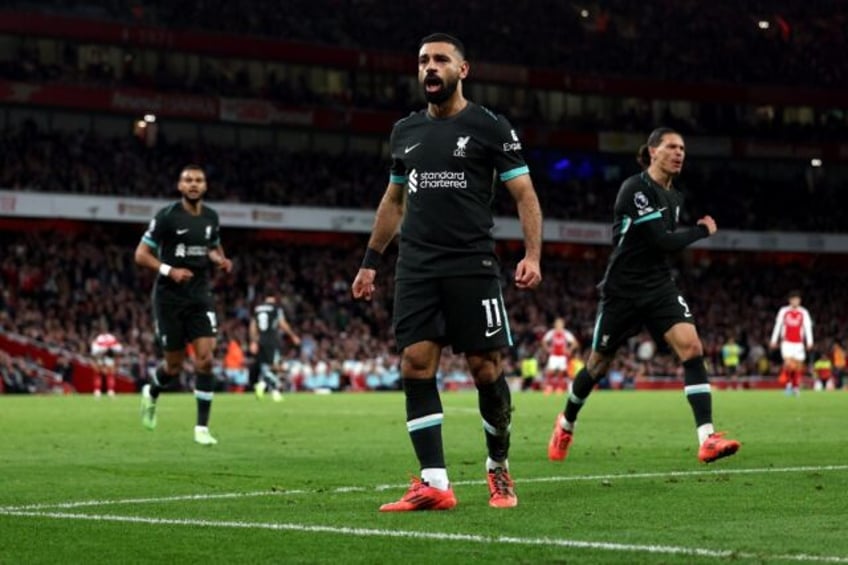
{"points": [[386, 223], [677, 240], [528, 273]]}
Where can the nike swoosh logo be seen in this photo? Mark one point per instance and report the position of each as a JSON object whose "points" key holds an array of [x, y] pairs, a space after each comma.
{"points": [[181, 232], [490, 333], [411, 147]]}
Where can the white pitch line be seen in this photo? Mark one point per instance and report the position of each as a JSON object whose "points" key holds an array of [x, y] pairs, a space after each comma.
{"points": [[380, 488], [655, 475], [442, 536]]}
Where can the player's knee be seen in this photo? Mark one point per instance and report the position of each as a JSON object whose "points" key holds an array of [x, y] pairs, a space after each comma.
{"points": [[419, 361], [416, 366], [484, 367], [597, 366], [690, 349], [485, 373], [203, 363]]}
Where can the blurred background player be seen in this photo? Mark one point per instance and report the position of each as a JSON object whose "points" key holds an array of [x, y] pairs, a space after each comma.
{"points": [[837, 355], [823, 371], [793, 330], [265, 344], [104, 351], [529, 369], [559, 344], [731, 353]]}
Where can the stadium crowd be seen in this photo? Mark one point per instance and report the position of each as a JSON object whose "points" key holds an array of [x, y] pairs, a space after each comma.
{"points": [[63, 289], [82, 65], [32, 159], [676, 40]]}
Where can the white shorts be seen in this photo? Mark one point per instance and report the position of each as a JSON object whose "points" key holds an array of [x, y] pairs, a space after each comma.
{"points": [[105, 361], [793, 350], [557, 363]]}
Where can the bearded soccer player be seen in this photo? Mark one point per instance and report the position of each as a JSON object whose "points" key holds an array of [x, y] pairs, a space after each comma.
{"points": [[181, 244], [448, 283], [639, 290], [793, 327]]}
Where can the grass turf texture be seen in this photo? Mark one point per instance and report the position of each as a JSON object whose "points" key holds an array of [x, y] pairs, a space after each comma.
{"points": [[631, 491]]}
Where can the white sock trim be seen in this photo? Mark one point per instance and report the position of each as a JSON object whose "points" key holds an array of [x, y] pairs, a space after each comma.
{"points": [[436, 478], [565, 424], [491, 464], [704, 431]]}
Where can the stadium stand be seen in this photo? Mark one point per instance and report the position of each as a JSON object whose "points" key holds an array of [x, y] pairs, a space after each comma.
{"points": [[297, 114], [59, 288]]}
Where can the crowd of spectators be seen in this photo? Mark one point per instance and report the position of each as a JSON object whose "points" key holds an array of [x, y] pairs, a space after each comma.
{"points": [[617, 38], [740, 195], [62, 289], [679, 40]]}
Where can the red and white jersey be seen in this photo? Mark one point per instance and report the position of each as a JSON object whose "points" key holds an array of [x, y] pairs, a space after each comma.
{"points": [[105, 343], [793, 325], [558, 341]]}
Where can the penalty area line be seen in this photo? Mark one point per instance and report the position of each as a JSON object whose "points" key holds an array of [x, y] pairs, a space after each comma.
{"points": [[384, 487], [439, 536]]}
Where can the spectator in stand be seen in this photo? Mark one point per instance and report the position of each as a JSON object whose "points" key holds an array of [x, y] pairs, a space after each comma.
{"points": [[65, 369]]}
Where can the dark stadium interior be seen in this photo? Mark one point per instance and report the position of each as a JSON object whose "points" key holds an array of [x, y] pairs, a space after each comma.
{"points": [[768, 137]]}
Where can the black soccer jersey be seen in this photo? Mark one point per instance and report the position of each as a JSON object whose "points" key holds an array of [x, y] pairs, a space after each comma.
{"points": [[183, 240], [449, 167], [643, 234], [267, 317]]}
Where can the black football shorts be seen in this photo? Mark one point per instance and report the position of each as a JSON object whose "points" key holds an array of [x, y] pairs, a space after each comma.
{"points": [[620, 318], [466, 313], [180, 323]]}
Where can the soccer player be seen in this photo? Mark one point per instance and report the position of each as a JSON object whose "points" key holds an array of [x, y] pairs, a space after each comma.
{"points": [[638, 289], [180, 244], [104, 349], [559, 344], [730, 355], [268, 320], [448, 284], [794, 328]]}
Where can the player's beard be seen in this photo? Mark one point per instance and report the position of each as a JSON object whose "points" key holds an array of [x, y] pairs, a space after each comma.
{"points": [[193, 200], [443, 94]]}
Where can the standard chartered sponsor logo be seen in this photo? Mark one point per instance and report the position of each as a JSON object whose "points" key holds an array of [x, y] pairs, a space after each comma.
{"points": [[190, 250], [412, 180], [419, 180]]}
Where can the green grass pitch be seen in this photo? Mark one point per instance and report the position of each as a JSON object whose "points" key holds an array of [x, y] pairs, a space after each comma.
{"points": [[300, 482]]}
